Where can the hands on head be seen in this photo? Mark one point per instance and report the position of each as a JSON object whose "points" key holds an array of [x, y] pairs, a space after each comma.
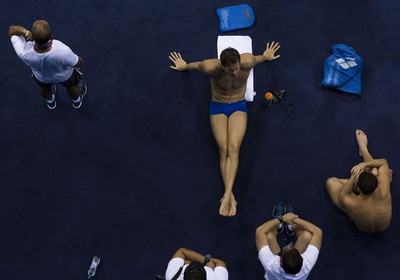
{"points": [[28, 35], [358, 168]]}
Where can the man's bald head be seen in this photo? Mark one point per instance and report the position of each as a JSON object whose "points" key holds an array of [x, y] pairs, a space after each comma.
{"points": [[41, 32]]}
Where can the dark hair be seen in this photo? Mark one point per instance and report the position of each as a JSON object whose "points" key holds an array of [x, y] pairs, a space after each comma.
{"points": [[41, 32], [195, 271], [229, 56], [367, 183], [292, 261]]}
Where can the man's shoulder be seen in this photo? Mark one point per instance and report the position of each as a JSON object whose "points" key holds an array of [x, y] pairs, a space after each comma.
{"points": [[211, 63], [247, 61], [210, 66], [350, 201], [60, 47]]}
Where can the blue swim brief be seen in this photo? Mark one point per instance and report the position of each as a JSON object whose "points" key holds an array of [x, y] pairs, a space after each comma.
{"points": [[227, 108]]}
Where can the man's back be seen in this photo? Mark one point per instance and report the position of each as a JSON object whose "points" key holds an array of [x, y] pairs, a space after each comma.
{"points": [[55, 65], [371, 213]]}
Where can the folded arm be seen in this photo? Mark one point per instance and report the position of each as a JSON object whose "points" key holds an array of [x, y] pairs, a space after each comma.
{"points": [[316, 232], [375, 163], [19, 31], [190, 256], [266, 233], [213, 263]]}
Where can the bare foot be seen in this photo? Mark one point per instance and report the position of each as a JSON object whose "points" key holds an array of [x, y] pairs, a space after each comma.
{"points": [[225, 205], [361, 140], [232, 206]]}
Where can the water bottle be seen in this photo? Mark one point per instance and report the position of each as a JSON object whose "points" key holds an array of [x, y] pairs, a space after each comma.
{"points": [[93, 267], [269, 97]]}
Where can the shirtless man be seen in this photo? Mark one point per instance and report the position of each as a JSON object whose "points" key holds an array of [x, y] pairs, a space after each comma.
{"points": [[228, 108], [365, 197]]}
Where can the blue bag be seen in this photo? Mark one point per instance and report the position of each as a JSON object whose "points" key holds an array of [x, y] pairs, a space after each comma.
{"points": [[342, 70]]}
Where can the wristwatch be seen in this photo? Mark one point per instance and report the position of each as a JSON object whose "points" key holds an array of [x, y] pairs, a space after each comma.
{"points": [[280, 219], [207, 259]]}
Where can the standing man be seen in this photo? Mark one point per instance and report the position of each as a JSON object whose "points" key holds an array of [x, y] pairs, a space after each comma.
{"points": [[190, 265], [365, 197], [51, 62], [294, 261], [228, 108]]}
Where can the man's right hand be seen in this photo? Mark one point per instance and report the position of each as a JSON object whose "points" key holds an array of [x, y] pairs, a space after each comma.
{"points": [[289, 217], [180, 64], [28, 35]]}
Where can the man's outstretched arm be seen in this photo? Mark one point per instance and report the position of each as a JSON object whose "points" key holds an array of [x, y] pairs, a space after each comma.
{"points": [[269, 53], [205, 66]]}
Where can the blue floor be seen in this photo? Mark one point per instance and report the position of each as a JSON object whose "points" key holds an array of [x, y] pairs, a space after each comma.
{"points": [[133, 175]]}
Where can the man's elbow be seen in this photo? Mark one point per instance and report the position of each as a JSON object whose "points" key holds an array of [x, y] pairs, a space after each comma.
{"points": [[317, 232], [11, 29], [80, 62], [220, 263], [260, 231], [384, 161]]}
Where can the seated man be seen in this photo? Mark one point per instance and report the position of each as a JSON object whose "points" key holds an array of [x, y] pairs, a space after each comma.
{"points": [[365, 197], [292, 262], [189, 265]]}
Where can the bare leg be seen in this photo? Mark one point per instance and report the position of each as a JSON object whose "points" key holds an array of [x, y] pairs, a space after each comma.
{"points": [[237, 124], [229, 133], [46, 93], [73, 92], [219, 126], [362, 141]]}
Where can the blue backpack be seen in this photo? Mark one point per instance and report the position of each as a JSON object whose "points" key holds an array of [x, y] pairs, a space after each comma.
{"points": [[342, 70]]}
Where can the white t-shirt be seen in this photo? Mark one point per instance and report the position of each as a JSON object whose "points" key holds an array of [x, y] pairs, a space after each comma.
{"points": [[54, 66], [219, 273], [274, 271]]}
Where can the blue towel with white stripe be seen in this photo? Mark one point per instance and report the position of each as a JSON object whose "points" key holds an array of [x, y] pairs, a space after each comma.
{"points": [[343, 69]]}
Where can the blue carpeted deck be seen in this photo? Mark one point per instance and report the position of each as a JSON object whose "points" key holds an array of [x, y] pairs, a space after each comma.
{"points": [[133, 175]]}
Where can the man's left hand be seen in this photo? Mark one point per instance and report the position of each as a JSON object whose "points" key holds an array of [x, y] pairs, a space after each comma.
{"points": [[269, 53]]}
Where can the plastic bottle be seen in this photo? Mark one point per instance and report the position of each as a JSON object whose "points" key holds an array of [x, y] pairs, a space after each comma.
{"points": [[93, 267], [268, 99]]}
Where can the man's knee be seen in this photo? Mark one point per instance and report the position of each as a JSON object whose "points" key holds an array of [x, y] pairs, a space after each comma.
{"points": [[233, 149], [223, 150], [330, 182]]}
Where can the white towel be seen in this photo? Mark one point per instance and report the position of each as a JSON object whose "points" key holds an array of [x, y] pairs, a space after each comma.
{"points": [[243, 45]]}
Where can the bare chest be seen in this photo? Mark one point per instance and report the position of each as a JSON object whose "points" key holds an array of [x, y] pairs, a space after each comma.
{"points": [[228, 84]]}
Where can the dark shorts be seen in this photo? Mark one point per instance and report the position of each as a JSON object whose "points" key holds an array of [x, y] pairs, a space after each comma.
{"points": [[227, 108], [70, 82]]}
